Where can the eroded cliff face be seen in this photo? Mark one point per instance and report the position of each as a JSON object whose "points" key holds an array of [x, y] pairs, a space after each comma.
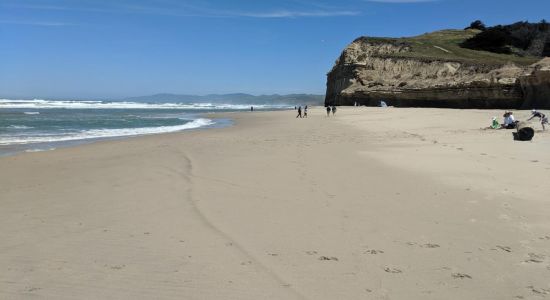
{"points": [[368, 72], [536, 85]]}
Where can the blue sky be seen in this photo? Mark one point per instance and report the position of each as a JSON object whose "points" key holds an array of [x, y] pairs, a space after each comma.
{"points": [[118, 48]]}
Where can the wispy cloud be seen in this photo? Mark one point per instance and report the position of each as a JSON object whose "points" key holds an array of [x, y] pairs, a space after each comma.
{"points": [[401, 1], [34, 23], [294, 14], [186, 10]]}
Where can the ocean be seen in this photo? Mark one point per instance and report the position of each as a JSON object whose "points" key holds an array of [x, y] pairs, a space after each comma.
{"points": [[41, 125]]}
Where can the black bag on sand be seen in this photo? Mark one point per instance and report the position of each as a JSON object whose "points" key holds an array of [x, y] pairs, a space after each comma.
{"points": [[524, 132]]}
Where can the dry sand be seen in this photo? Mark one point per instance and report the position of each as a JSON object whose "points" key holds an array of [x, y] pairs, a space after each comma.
{"points": [[370, 204]]}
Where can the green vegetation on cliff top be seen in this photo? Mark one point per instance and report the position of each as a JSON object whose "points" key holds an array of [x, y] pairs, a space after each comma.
{"points": [[445, 45]]}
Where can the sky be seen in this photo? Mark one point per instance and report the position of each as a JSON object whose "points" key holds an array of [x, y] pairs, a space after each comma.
{"points": [[107, 49]]}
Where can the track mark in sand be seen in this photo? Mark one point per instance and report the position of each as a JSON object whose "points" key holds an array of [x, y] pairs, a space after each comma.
{"points": [[461, 276], [229, 240], [311, 252], [392, 270]]}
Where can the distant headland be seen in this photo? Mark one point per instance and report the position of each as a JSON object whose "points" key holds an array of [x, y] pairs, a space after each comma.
{"points": [[505, 66]]}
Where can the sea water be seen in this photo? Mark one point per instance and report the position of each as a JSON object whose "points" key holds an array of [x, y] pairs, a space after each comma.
{"points": [[40, 125]]}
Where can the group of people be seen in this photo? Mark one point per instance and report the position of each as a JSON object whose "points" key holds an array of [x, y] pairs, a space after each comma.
{"points": [[300, 115], [510, 122], [331, 109]]}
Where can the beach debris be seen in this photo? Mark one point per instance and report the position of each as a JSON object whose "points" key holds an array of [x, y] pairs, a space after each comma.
{"points": [[461, 276], [311, 252], [524, 132], [325, 258]]}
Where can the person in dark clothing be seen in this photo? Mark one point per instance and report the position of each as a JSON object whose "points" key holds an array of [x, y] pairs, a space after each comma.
{"points": [[542, 117], [299, 112], [252, 108], [328, 111], [305, 111]]}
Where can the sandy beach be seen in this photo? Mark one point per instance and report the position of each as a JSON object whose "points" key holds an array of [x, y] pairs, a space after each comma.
{"points": [[369, 204]]}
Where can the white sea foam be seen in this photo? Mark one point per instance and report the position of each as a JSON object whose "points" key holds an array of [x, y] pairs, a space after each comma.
{"points": [[48, 104], [19, 127], [39, 150], [102, 133], [27, 112]]}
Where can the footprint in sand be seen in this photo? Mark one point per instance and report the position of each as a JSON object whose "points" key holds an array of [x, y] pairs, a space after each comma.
{"points": [[118, 267], [374, 252], [430, 246], [504, 248], [535, 258], [392, 270], [538, 291], [461, 276], [326, 258], [311, 252]]}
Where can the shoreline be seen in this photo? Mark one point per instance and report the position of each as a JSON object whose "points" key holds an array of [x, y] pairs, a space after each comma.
{"points": [[17, 149], [372, 203]]}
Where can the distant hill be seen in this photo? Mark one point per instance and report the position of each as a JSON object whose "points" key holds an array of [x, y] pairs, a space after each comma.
{"points": [[238, 98]]}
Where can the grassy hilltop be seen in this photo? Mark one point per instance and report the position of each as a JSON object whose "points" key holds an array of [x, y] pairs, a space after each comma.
{"points": [[445, 45]]}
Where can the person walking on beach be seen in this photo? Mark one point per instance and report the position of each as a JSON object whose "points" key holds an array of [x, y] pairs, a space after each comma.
{"points": [[299, 112], [252, 108], [305, 111], [542, 117], [328, 111], [333, 110]]}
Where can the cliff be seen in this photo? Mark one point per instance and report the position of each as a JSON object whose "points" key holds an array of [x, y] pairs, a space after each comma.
{"points": [[433, 70]]}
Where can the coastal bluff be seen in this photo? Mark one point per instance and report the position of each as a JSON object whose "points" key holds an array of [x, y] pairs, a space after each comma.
{"points": [[433, 70]]}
